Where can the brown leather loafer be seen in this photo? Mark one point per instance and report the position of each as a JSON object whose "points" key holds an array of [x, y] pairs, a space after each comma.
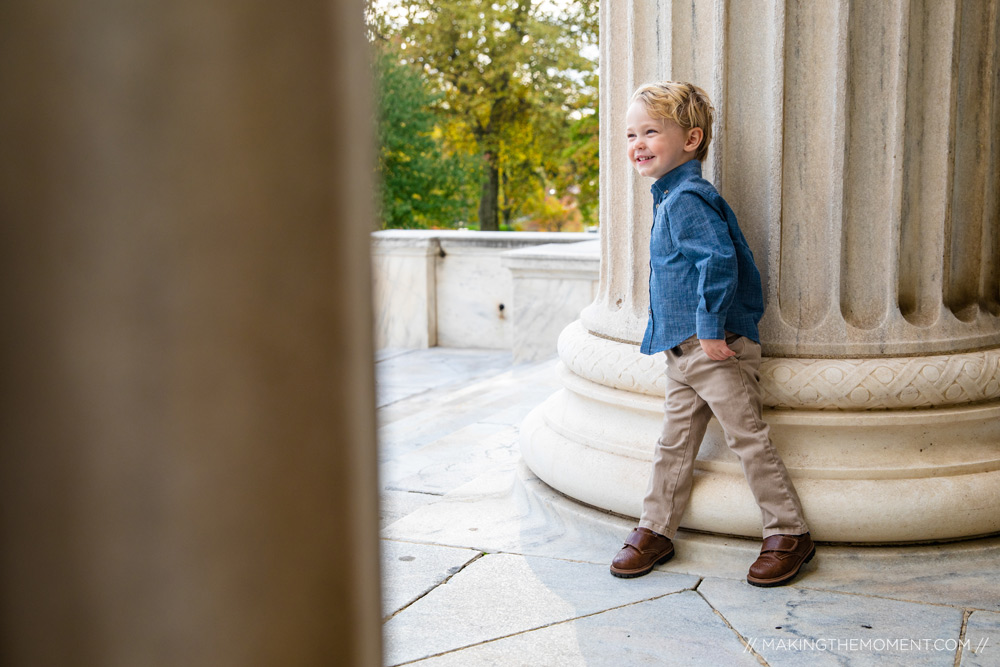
{"points": [[643, 549], [781, 557]]}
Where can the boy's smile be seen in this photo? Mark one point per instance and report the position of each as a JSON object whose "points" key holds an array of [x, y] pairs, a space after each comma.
{"points": [[656, 145]]}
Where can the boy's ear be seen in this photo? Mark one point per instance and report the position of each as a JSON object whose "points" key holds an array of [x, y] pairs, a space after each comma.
{"points": [[694, 137]]}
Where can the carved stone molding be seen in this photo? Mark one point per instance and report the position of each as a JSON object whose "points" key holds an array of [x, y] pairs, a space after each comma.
{"points": [[892, 383], [611, 363], [882, 384]]}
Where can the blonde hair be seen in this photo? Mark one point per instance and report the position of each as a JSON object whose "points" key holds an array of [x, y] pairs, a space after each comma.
{"points": [[684, 104]]}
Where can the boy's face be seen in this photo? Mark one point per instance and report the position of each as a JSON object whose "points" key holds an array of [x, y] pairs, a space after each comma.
{"points": [[656, 145]]}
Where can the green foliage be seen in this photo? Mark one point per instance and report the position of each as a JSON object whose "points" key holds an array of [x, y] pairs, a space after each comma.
{"points": [[580, 163], [514, 91], [422, 183]]}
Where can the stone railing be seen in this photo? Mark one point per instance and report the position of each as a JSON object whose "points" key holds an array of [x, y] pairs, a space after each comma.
{"points": [[495, 290]]}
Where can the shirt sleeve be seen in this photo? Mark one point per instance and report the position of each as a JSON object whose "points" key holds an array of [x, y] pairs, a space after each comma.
{"points": [[702, 236]]}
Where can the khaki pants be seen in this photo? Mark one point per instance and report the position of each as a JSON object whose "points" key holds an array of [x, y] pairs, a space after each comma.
{"points": [[697, 388]]}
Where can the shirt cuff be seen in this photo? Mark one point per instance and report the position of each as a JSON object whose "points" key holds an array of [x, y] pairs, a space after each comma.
{"points": [[711, 326]]}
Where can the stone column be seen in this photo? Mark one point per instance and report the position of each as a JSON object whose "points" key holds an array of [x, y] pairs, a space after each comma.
{"points": [[187, 469], [859, 144]]}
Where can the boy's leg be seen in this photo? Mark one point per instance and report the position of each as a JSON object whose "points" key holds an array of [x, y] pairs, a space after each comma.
{"points": [[670, 480], [732, 390], [686, 417]]}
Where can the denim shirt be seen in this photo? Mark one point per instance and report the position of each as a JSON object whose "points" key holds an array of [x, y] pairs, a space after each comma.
{"points": [[702, 277]]}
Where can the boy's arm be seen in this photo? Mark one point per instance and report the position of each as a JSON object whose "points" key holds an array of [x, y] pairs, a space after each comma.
{"points": [[702, 236]]}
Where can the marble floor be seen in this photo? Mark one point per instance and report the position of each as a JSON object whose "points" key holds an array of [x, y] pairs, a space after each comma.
{"points": [[483, 564]]}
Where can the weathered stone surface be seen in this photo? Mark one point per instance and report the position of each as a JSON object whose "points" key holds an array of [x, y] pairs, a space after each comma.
{"points": [[508, 510], [983, 636], [794, 626], [677, 629], [450, 288], [552, 283], [409, 570], [500, 595]]}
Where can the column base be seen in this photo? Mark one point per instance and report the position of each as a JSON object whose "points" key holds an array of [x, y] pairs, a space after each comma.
{"points": [[863, 477]]}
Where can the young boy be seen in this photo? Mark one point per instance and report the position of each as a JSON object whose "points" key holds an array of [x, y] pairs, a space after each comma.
{"points": [[705, 301]]}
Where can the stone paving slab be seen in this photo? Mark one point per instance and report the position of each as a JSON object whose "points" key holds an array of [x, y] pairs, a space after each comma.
{"points": [[394, 505], [502, 594], [965, 574], [528, 517], [527, 398], [437, 366], [408, 384], [517, 604], [453, 460], [983, 636], [422, 419], [795, 626], [409, 434], [676, 629], [495, 512], [411, 570], [424, 378]]}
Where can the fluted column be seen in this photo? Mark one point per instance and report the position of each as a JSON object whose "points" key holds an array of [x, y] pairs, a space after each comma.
{"points": [[859, 144], [187, 467]]}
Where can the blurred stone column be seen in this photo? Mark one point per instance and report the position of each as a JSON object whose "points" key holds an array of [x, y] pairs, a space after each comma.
{"points": [[859, 144], [187, 471]]}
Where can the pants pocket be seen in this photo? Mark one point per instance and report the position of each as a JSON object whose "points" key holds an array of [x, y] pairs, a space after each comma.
{"points": [[737, 344]]}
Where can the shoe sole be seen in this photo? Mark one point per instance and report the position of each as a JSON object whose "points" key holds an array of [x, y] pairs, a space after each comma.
{"points": [[632, 574], [767, 583]]}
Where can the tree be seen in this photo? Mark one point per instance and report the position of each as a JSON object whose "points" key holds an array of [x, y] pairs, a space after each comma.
{"points": [[510, 73], [580, 157], [422, 184]]}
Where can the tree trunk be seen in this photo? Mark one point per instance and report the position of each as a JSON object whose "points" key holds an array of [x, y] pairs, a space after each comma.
{"points": [[489, 214], [507, 207]]}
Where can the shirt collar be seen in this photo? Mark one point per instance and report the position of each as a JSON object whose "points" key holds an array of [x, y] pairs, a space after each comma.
{"points": [[674, 177]]}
